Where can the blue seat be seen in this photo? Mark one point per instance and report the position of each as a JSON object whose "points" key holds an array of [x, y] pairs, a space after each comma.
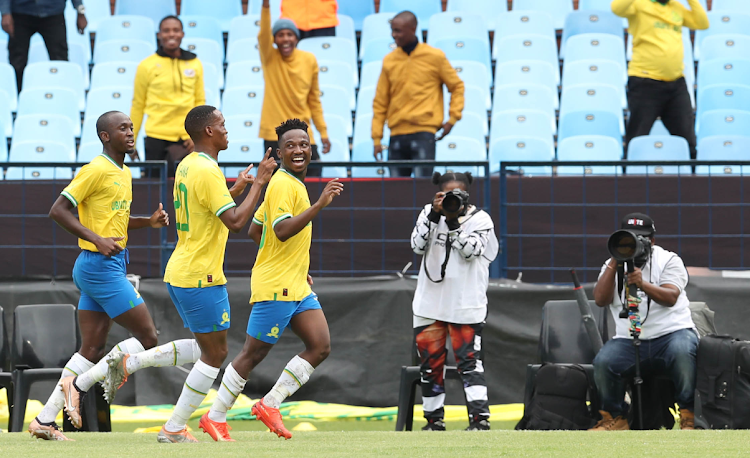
{"points": [[524, 23], [376, 50], [734, 6], [242, 126], [599, 46], [592, 97], [381, 171], [722, 22], [512, 97], [242, 50], [723, 148], [474, 103], [335, 73], [213, 97], [335, 101], [254, 7], [725, 46], [364, 101], [241, 27], [528, 72], [471, 49], [457, 25], [723, 71], [47, 127], [243, 150], [522, 148], [202, 27], [362, 145], [602, 5], [39, 151], [122, 50], [54, 74], [3, 144], [242, 100], [212, 78], [346, 28], [207, 50], [458, 148], [221, 10], [722, 97], [4, 48], [357, 10], [376, 29], [724, 122], [370, 74], [100, 101], [471, 125], [658, 147], [658, 129], [590, 21], [521, 123], [6, 119], [76, 55], [127, 28], [156, 10], [595, 72], [339, 128], [558, 9], [589, 148], [472, 74], [527, 48], [339, 153], [96, 10], [590, 122], [333, 49], [56, 100], [489, 10], [423, 9], [244, 73], [8, 83], [113, 74], [74, 40]]}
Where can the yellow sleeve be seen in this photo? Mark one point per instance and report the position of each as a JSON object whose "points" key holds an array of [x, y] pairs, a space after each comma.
{"points": [[259, 217], [624, 8], [265, 35], [380, 106], [139, 98], [313, 101], [200, 90], [213, 193], [280, 200], [694, 18], [83, 185], [455, 87]]}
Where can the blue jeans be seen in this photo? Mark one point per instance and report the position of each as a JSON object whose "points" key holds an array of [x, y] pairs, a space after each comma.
{"points": [[672, 355], [412, 147]]}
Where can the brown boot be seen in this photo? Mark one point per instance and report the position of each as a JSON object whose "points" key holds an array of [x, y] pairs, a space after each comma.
{"points": [[607, 423], [687, 419]]}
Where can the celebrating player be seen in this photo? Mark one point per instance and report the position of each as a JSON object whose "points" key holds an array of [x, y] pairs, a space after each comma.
{"points": [[205, 212], [281, 294]]}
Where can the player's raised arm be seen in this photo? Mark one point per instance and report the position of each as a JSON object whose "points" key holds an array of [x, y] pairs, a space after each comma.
{"points": [[291, 226], [235, 218]]}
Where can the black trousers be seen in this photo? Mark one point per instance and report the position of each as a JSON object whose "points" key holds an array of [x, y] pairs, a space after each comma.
{"points": [[52, 30], [324, 32], [417, 146], [163, 150], [311, 171], [670, 100]]}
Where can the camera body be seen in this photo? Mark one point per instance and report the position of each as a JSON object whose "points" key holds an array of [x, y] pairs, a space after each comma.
{"points": [[454, 200]]}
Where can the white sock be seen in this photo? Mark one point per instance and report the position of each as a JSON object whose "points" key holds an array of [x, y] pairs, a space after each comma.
{"points": [[175, 353], [97, 373], [296, 373], [198, 382], [77, 365], [231, 387]]}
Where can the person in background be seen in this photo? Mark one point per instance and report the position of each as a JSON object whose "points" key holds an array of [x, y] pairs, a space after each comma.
{"points": [[314, 18], [23, 18]]}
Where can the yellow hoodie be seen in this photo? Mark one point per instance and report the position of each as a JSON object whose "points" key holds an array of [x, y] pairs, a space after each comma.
{"points": [[166, 89]]}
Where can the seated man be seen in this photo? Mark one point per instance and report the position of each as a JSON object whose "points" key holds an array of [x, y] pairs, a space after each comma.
{"points": [[669, 340]]}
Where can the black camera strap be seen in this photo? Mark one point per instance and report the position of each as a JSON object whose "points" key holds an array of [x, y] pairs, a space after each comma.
{"points": [[445, 263]]}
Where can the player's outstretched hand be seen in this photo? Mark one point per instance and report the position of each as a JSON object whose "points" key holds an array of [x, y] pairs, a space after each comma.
{"points": [[244, 178], [108, 246], [332, 189], [160, 218], [266, 168]]}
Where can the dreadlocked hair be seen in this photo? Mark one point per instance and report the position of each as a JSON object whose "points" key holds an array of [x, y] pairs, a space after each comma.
{"points": [[465, 178], [290, 124]]}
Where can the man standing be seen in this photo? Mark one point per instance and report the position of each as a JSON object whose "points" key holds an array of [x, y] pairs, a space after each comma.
{"points": [[291, 83], [23, 18], [410, 97], [656, 83]]}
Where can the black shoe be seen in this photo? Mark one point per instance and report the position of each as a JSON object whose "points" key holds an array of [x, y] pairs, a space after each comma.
{"points": [[434, 425], [481, 425]]}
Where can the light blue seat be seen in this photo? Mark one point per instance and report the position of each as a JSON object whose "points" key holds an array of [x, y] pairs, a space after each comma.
{"points": [[590, 21], [55, 100], [722, 22], [595, 72], [339, 128], [6, 119], [242, 50], [120, 50], [4, 48], [116, 74], [489, 10], [242, 150], [528, 48], [100, 101], [423, 9], [244, 73], [357, 10], [242, 126], [364, 101], [722, 97], [558, 9], [658, 129], [376, 29], [362, 145], [522, 148], [8, 84], [208, 51], [74, 39], [524, 23], [528, 72], [54, 74], [725, 46], [127, 28], [242, 100], [521, 123], [346, 28], [156, 10], [212, 97], [735, 6], [658, 147], [602, 5], [590, 122], [589, 148], [375, 50], [472, 74], [39, 151], [474, 103], [221, 10], [335, 100], [471, 49], [254, 7], [592, 97], [76, 55], [333, 49], [47, 127], [96, 11], [599, 46], [724, 122], [381, 171], [370, 74], [723, 148], [457, 25], [471, 125], [339, 153], [334, 73], [212, 78], [723, 71], [3, 143], [458, 148], [202, 27], [526, 96], [247, 26]]}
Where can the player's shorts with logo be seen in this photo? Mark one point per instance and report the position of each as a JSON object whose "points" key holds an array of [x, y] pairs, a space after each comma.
{"points": [[103, 285], [202, 309], [268, 319]]}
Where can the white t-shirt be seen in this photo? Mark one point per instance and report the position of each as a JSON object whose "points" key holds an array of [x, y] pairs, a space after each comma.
{"points": [[461, 297], [664, 268]]}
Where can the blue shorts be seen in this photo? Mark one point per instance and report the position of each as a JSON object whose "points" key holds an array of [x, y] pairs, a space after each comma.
{"points": [[101, 280], [268, 319], [202, 310]]}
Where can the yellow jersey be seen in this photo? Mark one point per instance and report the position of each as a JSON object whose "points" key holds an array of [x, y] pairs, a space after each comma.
{"points": [[201, 196], [280, 271], [103, 192]]}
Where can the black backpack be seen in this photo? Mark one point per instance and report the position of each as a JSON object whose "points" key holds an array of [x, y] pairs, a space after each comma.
{"points": [[558, 400], [723, 383]]}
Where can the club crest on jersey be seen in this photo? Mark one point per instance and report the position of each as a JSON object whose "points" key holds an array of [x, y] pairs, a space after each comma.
{"points": [[285, 292], [209, 278], [189, 72]]}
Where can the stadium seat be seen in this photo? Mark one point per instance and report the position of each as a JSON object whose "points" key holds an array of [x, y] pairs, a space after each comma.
{"points": [[60, 101], [6, 121], [522, 148], [246, 26], [242, 50], [590, 21], [528, 72], [375, 30], [723, 148], [658, 147], [116, 74], [3, 145], [74, 40], [213, 97], [76, 55], [243, 126], [119, 51], [723, 122], [722, 97], [558, 9], [526, 23], [458, 148], [489, 10], [722, 22], [723, 71], [471, 49], [254, 7], [423, 9], [381, 171], [376, 50], [156, 10], [100, 101], [590, 122], [45, 127], [339, 153], [212, 80], [726, 46], [370, 74], [4, 48], [39, 151], [244, 151], [339, 128], [588, 97], [658, 128], [346, 29], [595, 72], [221, 10], [529, 48], [602, 5], [599, 46], [242, 100], [364, 101], [362, 149], [96, 11], [333, 49], [127, 28], [521, 123], [471, 125], [202, 27], [244, 73], [56, 74], [335, 101], [472, 74], [734, 6], [9, 85], [474, 103], [208, 51], [513, 97], [335, 73], [456, 25], [357, 10], [589, 148]]}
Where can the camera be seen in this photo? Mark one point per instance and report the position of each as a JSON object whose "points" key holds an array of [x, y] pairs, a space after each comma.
{"points": [[625, 245], [454, 200]]}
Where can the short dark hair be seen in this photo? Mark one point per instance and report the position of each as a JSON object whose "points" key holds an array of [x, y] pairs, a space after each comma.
{"points": [[198, 119], [104, 123], [290, 124], [171, 16], [465, 178], [410, 17]]}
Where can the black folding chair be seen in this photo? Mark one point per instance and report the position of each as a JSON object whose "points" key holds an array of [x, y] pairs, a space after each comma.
{"points": [[6, 377]]}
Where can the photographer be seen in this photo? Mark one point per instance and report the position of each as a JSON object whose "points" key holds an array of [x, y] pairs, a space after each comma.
{"points": [[669, 340], [458, 243]]}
